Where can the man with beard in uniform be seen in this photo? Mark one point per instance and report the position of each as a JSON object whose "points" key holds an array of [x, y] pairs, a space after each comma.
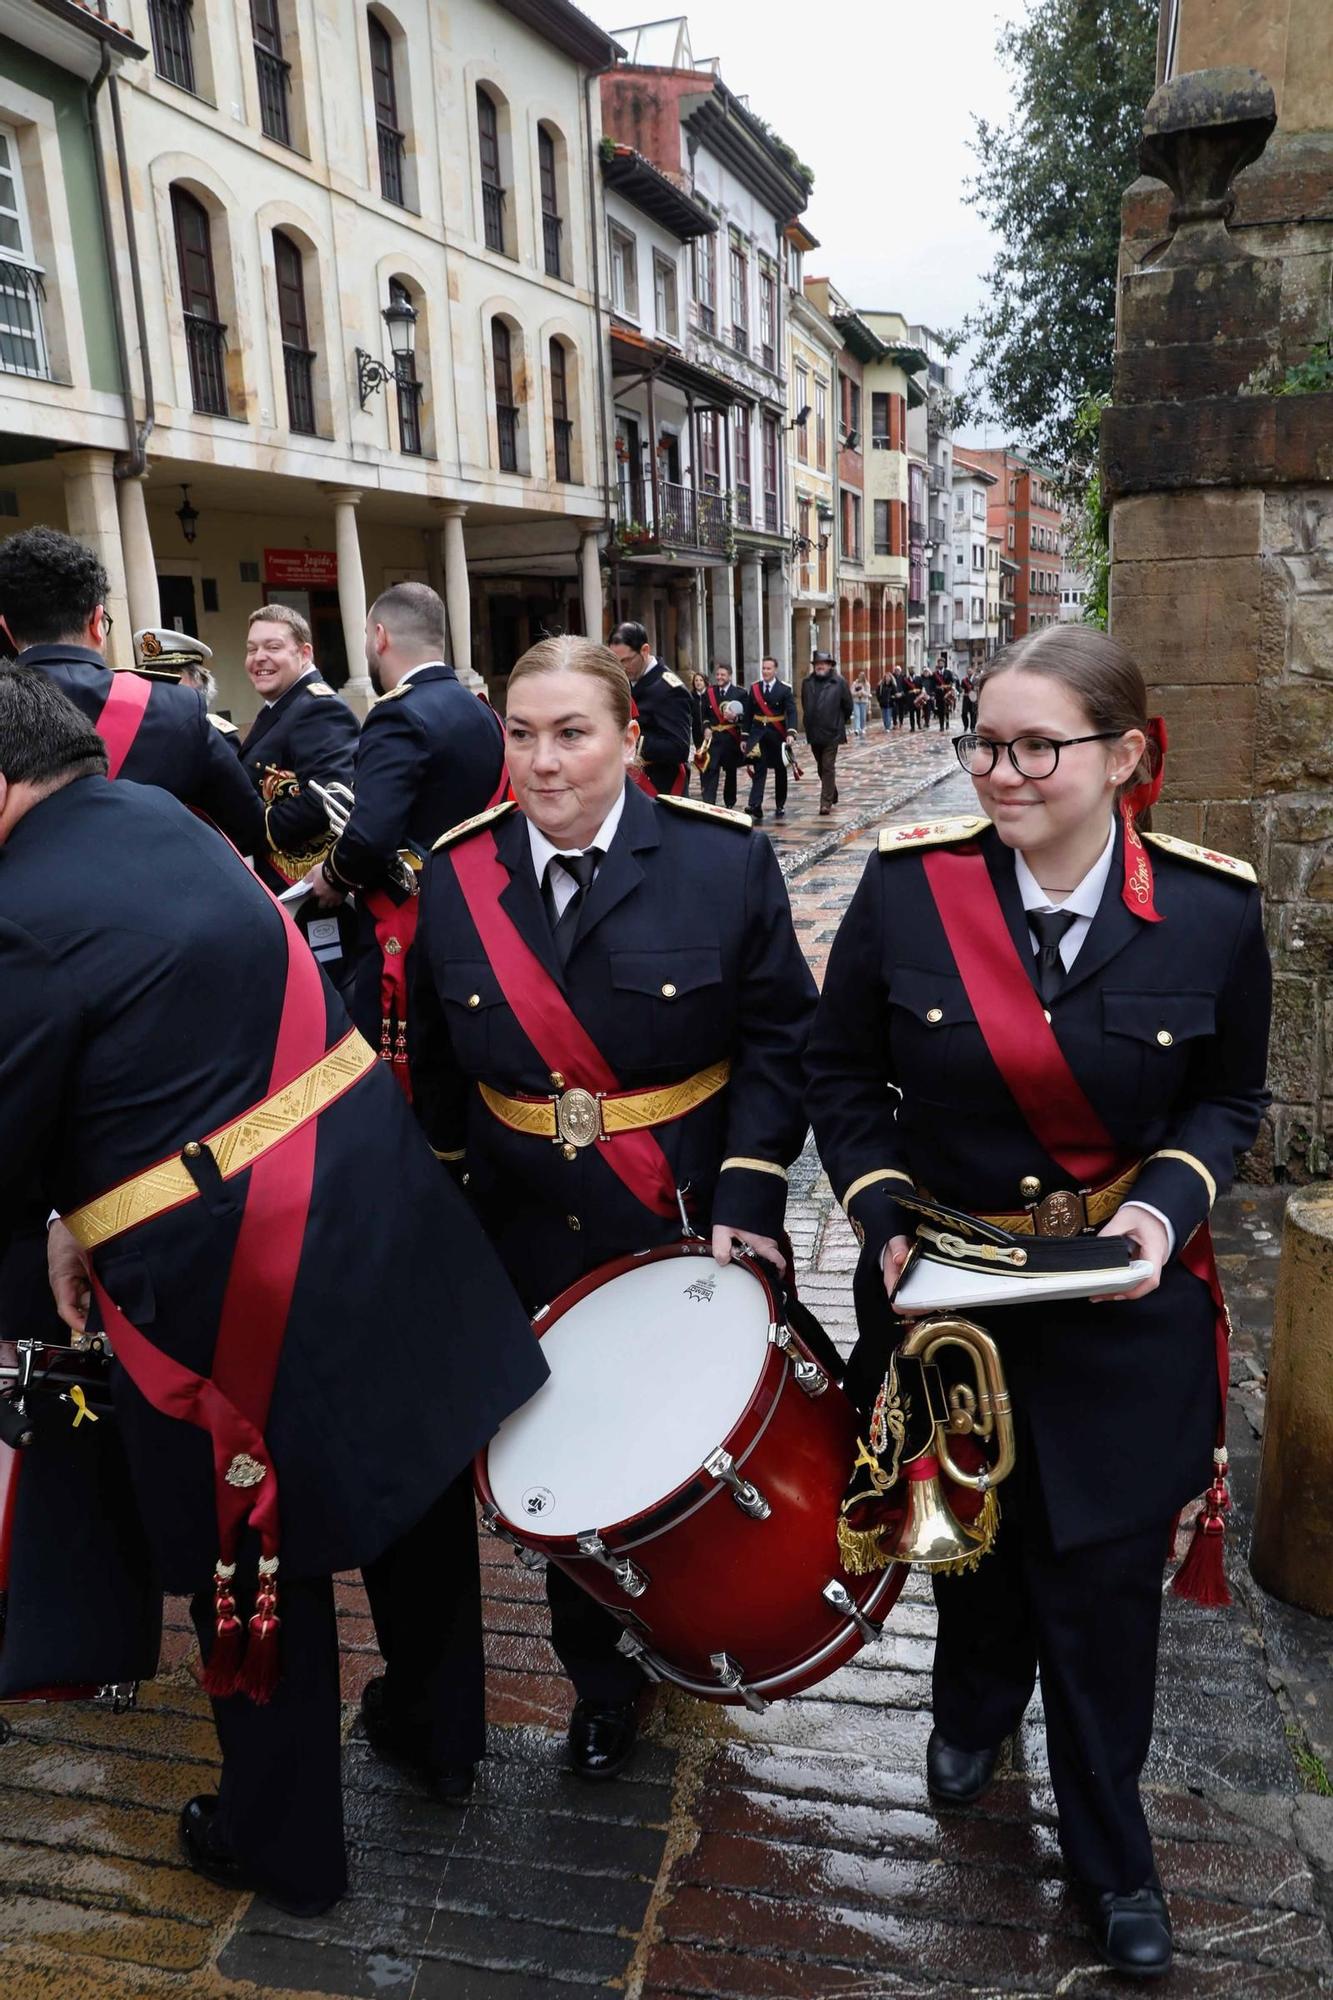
{"points": [[53, 595], [724, 711], [302, 735], [662, 706], [431, 754], [312, 1335]]}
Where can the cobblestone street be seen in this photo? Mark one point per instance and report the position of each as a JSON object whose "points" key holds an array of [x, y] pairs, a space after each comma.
{"points": [[745, 1857]]}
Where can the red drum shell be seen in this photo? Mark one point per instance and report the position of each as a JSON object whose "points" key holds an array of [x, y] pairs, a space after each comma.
{"points": [[720, 1582]]}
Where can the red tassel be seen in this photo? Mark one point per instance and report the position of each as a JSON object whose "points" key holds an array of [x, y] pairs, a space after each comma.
{"points": [[222, 1671], [258, 1677], [1202, 1577]]}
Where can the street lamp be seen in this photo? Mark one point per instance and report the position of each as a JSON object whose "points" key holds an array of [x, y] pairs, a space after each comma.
{"points": [[802, 416], [187, 515], [400, 316]]}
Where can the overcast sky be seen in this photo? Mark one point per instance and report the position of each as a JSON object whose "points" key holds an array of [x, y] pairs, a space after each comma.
{"points": [[881, 106]]}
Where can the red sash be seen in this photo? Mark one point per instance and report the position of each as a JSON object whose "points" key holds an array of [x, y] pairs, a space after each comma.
{"points": [[549, 1022], [778, 721], [122, 712], [639, 776], [1024, 1049], [232, 1404]]}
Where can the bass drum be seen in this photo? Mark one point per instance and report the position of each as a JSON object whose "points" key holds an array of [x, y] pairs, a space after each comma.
{"points": [[684, 1464]]}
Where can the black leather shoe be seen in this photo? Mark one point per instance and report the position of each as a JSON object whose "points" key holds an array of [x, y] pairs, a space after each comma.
{"points": [[780, 812], [210, 1857], [957, 1777], [1133, 1933], [602, 1735], [756, 815], [393, 1740]]}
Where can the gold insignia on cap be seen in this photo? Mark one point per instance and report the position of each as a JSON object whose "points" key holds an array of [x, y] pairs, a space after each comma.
{"points": [[150, 646]]}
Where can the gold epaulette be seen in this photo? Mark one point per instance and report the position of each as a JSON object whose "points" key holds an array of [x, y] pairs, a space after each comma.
{"points": [[474, 825], [392, 695], [221, 724], [672, 680], [723, 813], [931, 832], [1204, 857], [319, 687], [170, 675]]}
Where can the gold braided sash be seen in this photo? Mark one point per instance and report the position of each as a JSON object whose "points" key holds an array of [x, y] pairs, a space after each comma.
{"points": [[234, 1146], [578, 1117]]}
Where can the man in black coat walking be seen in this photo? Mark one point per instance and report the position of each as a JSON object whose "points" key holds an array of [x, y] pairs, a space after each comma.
{"points": [[312, 1334], [826, 703]]}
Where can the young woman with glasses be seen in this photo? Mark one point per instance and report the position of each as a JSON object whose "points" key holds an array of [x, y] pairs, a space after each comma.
{"points": [[1056, 1019]]}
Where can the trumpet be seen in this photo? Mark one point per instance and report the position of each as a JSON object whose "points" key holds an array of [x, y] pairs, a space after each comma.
{"points": [[338, 801], [932, 1533]]}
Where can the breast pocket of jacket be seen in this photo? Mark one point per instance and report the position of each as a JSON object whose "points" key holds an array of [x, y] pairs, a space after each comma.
{"points": [[665, 1000], [1151, 1039], [936, 1045], [480, 1024]]}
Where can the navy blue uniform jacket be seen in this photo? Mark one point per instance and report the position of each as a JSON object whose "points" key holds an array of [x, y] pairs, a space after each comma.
{"points": [[176, 746], [685, 954], [779, 699], [666, 716], [1166, 1028], [141, 975], [313, 734]]}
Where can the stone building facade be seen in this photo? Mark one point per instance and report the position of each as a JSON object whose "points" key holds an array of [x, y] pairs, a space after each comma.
{"points": [[1219, 470]]}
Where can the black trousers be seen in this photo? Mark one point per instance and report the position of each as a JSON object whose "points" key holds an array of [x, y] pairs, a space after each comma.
{"points": [[584, 1636], [280, 1796], [724, 767], [759, 771], [916, 717], [1088, 1621], [826, 763]]}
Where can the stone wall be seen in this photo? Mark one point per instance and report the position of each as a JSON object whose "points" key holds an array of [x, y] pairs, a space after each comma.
{"points": [[1222, 533]]}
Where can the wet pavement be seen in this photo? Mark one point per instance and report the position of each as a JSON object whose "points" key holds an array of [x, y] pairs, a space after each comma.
{"points": [[744, 1857]]}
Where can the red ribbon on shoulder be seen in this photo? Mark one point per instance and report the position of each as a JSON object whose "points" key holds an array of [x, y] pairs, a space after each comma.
{"points": [[1137, 890], [122, 712]]}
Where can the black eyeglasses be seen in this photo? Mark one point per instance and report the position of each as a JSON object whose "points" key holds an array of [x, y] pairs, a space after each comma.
{"points": [[107, 620], [1031, 756]]}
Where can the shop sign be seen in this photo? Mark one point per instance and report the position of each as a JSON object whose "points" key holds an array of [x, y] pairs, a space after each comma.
{"points": [[301, 569]]}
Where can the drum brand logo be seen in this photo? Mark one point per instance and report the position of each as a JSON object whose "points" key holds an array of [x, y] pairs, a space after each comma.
{"points": [[701, 1291], [538, 1500]]}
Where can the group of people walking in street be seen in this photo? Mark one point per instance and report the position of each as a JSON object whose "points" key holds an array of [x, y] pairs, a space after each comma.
{"points": [[585, 1024]]}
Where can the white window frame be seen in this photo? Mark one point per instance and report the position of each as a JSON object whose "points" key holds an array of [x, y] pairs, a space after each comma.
{"points": [[664, 276], [624, 270], [23, 259]]}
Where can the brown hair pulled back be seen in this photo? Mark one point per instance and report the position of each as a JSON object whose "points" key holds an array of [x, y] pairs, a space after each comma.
{"points": [[1097, 670], [570, 654]]}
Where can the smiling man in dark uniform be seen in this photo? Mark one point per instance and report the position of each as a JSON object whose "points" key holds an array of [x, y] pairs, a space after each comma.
{"points": [[312, 1335], [772, 711], [53, 594], [302, 734], [662, 706]]}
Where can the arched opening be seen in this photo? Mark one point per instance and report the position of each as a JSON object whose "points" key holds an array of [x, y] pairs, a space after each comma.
{"points": [[203, 272], [566, 451], [412, 376], [391, 93], [495, 162], [553, 188], [507, 373]]}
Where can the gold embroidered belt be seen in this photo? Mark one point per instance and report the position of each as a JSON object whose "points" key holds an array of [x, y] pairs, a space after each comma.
{"points": [[574, 1118], [234, 1146], [1065, 1213]]}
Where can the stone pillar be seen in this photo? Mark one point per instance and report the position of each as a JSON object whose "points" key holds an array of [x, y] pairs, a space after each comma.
{"points": [[1222, 517], [1291, 1554], [358, 693], [590, 586], [752, 616], [458, 593], [722, 584], [145, 605], [779, 619], [682, 603], [802, 642], [824, 629], [92, 517], [700, 616]]}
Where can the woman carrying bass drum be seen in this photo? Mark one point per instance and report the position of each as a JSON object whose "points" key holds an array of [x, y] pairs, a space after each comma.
{"points": [[610, 1011], [1055, 1020]]}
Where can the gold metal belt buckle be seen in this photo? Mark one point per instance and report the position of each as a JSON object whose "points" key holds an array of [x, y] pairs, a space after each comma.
{"points": [[1060, 1213], [578, 1118]]}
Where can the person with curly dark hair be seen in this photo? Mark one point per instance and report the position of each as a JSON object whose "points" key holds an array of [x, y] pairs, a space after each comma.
{"points": [[53, 592]]}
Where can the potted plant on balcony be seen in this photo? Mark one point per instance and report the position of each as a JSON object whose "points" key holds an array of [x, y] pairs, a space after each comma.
{"points": [[633, 534]]}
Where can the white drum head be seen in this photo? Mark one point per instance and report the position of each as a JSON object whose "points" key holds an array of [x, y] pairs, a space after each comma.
{"points": [[649, 1374]]}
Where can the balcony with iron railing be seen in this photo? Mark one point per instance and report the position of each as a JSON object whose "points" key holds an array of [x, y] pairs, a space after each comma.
{"points": [[740, 495], [740, 339], [206, 344], [705, 316], [275, 82], [506, 428], [409, 415], [392, 149], [171, 26], [299, 367], [564, 449], [493, 216], [683, 518], [771, 514], [22, 332], [551, 228]]}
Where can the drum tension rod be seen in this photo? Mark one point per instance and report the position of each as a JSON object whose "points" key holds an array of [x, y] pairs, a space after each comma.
{"points": [[632, 1646], [631, 1580], [743, 1491], [809, 1375], [731, 1677], [527, 1558], [838, 1595]]}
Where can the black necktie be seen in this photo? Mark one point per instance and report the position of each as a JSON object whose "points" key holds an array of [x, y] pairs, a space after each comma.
{"points": [[1049, 926], [582, 868]]}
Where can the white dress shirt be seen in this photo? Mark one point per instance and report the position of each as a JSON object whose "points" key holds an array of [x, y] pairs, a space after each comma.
{"points": [[544, 852], [1082, 904]]}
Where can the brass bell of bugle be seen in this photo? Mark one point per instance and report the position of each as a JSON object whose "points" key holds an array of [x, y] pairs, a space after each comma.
{"points": [[932, 1535]]}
